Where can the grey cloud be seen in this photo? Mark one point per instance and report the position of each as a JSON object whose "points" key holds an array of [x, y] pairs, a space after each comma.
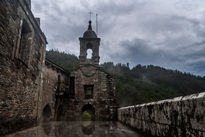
{"points": [[139, 51], [197, 68], [132, 31]]}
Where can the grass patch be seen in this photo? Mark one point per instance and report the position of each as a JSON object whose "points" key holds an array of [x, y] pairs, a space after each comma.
{"points": [[86, 116]]}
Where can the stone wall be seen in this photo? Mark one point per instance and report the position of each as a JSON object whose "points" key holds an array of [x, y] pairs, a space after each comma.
{"points": [[22, 51], [103, 100], [55, 84], [178, 117]]}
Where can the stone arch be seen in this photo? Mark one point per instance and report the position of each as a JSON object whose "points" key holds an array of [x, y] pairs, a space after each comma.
{"points": [[46, 113], [24, 42], [90, 109], [89, 46]]}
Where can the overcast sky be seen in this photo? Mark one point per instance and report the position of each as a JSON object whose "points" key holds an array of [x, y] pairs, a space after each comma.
{"points": [[168, 33]]}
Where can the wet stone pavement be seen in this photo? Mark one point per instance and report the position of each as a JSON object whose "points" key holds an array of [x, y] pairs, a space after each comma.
{"points": [[78, 129]]}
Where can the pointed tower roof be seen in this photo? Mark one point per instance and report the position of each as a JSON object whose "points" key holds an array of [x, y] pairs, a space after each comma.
{"points": [[89, 33]]}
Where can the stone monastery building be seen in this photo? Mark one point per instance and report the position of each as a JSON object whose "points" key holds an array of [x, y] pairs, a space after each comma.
{"points": [[33, 88]]}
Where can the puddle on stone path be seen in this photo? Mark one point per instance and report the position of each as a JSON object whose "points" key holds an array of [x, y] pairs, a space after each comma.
{"points": [[78, 129]]}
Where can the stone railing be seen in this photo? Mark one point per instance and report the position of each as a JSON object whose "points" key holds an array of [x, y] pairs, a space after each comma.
{"points": [[181, 116]]}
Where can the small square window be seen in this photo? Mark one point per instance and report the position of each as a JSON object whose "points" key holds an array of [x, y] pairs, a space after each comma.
{"points": [[88, 89]]}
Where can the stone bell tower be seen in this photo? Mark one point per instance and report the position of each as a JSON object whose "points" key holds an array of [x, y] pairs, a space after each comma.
{"points": [[92, 42], [92, 89]]}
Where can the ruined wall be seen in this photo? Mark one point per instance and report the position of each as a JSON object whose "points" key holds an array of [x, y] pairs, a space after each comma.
{"points": [[55, 83], [22, 51], [182, 116], [103, 100]]}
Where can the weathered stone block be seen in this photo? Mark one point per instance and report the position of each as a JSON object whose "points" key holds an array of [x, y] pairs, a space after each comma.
{"points": [[181, 116]]}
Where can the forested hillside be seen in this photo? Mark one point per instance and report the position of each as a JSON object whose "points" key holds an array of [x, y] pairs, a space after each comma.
{"points": [[68, 61], [142, 83]]}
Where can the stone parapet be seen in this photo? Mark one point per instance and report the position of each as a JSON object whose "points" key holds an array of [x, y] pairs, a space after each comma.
{"points": [[181, 116]]}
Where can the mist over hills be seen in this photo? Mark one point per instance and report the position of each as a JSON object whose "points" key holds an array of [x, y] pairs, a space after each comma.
{"points": [[141, 84]]}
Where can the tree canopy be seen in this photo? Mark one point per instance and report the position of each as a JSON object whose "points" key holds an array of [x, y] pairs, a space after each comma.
{"points": [[141, 84]]}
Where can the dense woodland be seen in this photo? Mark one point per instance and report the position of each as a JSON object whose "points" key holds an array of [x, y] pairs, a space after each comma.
{"points": [[140, 84]]}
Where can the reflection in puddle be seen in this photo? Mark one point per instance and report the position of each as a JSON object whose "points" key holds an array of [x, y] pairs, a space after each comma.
{"points": [[88, 127], [78, 129], [47, 128]]}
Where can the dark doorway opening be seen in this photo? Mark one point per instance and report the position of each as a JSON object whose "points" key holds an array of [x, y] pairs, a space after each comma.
{"points": [[46, 113], [60, 114], [88, 113]]}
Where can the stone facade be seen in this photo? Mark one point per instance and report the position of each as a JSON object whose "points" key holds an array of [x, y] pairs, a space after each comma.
{"points": [[101, 99], [34, 89], [22, 53], [63, 96], [178, 117], [92, 89], [55, 87]]}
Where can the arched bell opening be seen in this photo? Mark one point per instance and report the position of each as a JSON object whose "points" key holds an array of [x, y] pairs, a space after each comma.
{"points": [[89, 54]]}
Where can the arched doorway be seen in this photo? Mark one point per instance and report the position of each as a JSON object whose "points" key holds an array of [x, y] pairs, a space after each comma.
{"points": [[46, 113], [88, 112], [60, 113]]}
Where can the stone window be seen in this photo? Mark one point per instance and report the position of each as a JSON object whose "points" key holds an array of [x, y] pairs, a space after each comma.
{"points": [[25, 43], [88, 89]]}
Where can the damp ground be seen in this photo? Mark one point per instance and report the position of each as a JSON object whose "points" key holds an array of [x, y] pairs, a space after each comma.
{"points": [[78, 129]]}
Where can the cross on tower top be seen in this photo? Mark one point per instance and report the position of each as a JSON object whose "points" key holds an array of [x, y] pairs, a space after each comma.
{"points": [[90, 14]]}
